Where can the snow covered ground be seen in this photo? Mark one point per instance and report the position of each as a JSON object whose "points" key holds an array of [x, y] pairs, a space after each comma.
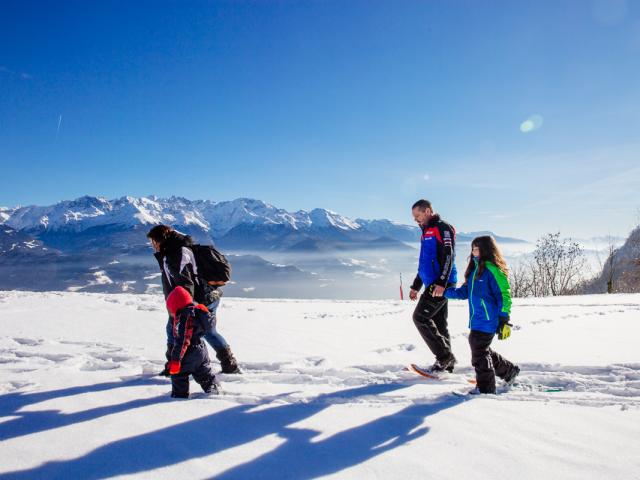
{"points": [[323, 393]]}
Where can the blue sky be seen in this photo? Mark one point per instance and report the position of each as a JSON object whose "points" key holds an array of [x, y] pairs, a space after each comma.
{"points": [[360, 107]]}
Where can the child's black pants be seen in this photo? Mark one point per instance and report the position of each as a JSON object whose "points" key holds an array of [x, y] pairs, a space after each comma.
{"points": [[195, 362], [488, 364]]}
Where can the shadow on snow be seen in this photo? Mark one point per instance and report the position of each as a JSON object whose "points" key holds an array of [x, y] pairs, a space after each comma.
{"points": [[297, 457], [29, 422]]}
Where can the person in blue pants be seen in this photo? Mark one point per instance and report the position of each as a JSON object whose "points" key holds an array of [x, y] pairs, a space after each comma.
{"points": [[178, 267]]}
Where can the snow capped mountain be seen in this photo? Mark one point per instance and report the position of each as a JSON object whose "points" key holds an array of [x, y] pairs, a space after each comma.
{"points": [[244, 223], [224, 216], [5, 213], [89, 239], [216, 218], [388, 228], [86, 212], [320, 218]]}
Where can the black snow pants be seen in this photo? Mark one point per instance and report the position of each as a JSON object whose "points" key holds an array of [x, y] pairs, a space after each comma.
{"points": [[195, 362], [487, 363], [430, 317]]}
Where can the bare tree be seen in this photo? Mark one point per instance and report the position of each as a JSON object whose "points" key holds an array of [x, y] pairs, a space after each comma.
{"points": [[520, 279], [610, 266], [557, 266]]}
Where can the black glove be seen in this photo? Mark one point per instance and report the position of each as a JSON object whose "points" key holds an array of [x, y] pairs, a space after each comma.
{"points": [[504, 328]]}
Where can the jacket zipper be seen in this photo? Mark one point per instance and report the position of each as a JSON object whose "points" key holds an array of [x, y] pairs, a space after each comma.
{"points": [[485, 308], [473, 282]]}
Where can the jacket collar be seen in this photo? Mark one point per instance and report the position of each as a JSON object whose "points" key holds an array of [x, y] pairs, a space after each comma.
{"points": [[432, 221], [175, 242]]}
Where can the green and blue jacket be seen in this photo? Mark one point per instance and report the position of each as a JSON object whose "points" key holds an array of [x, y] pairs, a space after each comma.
{"points": [[489, 297]]}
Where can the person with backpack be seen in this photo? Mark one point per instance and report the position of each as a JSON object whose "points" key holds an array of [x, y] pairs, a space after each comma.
{"points": [[174, 252], [188, 354], [436, 271], [486, 287]]}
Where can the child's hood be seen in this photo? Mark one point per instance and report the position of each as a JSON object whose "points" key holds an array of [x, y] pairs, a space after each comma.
{"points": [[178, 299]]}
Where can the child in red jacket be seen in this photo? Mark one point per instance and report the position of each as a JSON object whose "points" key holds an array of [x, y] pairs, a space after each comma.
{"points": [[187, 354]]}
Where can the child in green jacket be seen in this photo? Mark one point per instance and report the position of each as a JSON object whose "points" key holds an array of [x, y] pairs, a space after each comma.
{"points": [[487, 288]]}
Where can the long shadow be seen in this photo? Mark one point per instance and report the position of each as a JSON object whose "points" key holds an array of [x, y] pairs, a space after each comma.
{"points": [[243, 424], [300, 458], [30, 422]]}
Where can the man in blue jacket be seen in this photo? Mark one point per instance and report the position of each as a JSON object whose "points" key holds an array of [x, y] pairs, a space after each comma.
{"points": [[436, 271]]}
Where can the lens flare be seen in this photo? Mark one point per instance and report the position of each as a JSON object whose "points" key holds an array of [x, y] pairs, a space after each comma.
{"points": [[534, 122]]}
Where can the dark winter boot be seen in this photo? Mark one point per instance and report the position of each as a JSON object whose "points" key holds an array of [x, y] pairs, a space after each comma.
{"points": [[227, 361], [511, 375], [451, 363], [211, 388], [443, 365]]}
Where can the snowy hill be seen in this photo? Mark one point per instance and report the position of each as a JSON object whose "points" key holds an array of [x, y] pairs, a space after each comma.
{"points": [[625, 261], [323, 394]]}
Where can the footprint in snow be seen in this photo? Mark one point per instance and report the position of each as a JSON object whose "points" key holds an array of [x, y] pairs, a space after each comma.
{"points": [[31, 342]]}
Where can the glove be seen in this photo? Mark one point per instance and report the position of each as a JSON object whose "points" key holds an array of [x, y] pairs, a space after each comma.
{"points": [[174, 367], [504, 328]]}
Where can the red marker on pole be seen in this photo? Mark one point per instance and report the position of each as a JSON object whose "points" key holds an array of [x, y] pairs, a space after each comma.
{"points": [[401, 294]]}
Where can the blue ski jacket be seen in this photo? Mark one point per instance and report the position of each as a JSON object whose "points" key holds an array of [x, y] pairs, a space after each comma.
{"points": [[489, 297], [437, 254]]}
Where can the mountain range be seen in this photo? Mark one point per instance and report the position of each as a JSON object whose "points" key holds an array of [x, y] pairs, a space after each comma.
{"points": [[99, 245], [242, 224]]}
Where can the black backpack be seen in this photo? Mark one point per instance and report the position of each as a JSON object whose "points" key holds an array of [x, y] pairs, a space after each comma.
{"points": [[213, 266]]}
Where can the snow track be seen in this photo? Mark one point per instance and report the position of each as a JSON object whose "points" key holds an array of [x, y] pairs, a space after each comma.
{"points": [[617, 384]]}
